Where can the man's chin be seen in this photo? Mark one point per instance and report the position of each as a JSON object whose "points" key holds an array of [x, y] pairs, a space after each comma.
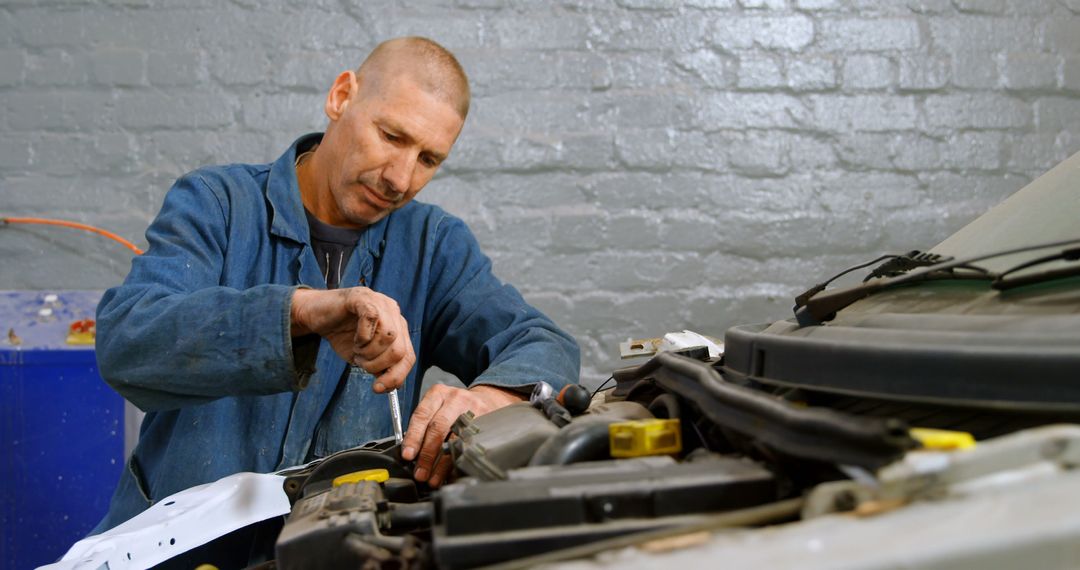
{"points": [[367, 216]]}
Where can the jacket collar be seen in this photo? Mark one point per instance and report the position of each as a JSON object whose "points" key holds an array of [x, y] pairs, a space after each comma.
{"points": [[287, 209]]}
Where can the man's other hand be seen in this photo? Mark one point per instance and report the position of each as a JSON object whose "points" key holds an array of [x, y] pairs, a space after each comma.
{"points": [[365, 328], [431, 422]]}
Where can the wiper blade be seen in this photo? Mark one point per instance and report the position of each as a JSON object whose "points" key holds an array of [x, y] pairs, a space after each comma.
{"points": [[821, 306], [1071, 254], [1015, 282]]}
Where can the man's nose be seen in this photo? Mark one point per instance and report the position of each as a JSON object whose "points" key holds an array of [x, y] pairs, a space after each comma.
{"points": [[398, 173]]}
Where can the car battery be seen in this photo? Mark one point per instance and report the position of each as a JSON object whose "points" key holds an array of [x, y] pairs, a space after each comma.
{"points": [[62, 438]]}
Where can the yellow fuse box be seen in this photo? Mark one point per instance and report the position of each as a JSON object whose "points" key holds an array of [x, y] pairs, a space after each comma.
{"points": [[941, 439], [645, 437]]}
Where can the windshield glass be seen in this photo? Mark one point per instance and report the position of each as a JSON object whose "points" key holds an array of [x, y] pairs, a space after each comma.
{"points": [[1047, 210]]}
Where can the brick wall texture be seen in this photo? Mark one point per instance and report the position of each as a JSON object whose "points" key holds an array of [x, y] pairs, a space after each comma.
{"points": [[633, 166]]}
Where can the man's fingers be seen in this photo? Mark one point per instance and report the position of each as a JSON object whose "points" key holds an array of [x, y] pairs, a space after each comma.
{"points": [[383, 361], [376, 315], [441, 471], [392, 367], [389, 332], [367, 324], [394, 377], [405, 339], [418, 423], [428, 428], [437, 430], [399, 371]]}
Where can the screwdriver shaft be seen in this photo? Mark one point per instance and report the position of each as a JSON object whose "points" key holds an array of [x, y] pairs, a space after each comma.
{"points": [[395, 415]]}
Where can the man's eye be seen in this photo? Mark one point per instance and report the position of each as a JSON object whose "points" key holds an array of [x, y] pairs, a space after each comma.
{"points": [[429, 162], [391, 137]]}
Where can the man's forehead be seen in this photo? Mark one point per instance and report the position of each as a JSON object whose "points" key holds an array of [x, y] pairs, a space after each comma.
{"points": [[397, 83]]}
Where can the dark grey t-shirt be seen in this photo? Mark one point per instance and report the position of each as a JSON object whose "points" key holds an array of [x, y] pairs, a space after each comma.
{"points": [[332, 246]]}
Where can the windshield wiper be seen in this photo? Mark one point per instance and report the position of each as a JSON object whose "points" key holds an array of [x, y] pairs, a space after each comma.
{"points": [[815, 307], [895, 264], [1071, 254]]}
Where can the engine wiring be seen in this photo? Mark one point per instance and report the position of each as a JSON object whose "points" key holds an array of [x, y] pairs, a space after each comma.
{"points": [[76, 225]]}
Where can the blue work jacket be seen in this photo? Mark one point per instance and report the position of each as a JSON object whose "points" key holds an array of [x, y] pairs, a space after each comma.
{"points": [[198, 334]]}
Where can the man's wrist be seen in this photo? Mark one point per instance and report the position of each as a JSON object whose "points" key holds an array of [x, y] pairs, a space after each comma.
{"points": [[507, 395], [296, 325]]}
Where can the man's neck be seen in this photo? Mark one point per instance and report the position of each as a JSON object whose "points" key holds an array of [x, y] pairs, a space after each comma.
{"points": [[315, 189]]}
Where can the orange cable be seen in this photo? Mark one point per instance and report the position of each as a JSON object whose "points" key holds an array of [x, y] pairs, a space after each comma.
{"points": [[76, 225]]}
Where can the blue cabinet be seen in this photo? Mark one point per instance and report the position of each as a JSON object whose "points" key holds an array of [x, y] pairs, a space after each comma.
{"points": [[62, 435]]}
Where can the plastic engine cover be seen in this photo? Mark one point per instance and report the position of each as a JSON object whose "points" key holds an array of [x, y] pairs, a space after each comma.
{"points": [[550, 507]]}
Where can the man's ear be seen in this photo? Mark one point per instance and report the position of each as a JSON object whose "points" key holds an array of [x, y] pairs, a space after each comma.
{"points": [[340, 92]]}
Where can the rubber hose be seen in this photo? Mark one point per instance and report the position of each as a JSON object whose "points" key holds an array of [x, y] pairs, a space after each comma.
{"points": [[665, 406], [411, 516], [579, 441]]}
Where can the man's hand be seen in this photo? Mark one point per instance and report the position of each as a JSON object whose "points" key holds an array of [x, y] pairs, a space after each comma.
{"points": [[365, 328], [431, 422]]}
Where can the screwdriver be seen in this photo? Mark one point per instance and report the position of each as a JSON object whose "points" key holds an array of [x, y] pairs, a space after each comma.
{"points": [[395, 415], [395, 410]]}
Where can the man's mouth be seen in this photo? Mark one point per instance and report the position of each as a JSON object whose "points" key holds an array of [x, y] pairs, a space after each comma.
{"points": [[378, 199]]}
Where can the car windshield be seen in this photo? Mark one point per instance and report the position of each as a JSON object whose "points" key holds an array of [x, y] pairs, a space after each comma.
{"points": [[1044, 211]]}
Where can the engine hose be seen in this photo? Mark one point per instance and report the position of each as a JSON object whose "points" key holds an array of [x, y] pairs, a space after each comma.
{"points": [[815, 434], [411, 516], [665, 406], [579, 441]]}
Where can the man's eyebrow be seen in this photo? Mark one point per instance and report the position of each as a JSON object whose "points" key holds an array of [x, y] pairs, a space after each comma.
{"points": [[397, 129]]}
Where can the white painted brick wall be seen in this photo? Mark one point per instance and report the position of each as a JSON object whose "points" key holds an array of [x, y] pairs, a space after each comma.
{"points": [[633, 166]]}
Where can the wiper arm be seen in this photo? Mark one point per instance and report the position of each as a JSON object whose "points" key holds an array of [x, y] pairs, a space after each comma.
{"points": [[901, 264], [823, 307], [806, 295], [894, 265], [1072, 254], [817, 307]]}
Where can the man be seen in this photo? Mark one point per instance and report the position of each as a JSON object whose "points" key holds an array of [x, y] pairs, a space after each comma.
{"points": [[262, 282]]}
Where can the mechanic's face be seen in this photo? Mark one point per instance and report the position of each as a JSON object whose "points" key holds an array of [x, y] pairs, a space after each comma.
{"points": [[385, 144]]}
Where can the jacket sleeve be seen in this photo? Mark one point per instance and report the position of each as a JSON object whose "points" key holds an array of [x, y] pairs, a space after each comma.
{"points": [[171, 336], [482, 330]]}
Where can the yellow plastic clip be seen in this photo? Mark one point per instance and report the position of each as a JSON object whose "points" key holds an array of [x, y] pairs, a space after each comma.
{"points": [[645, 437], [942, 440], [376, 475]]}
